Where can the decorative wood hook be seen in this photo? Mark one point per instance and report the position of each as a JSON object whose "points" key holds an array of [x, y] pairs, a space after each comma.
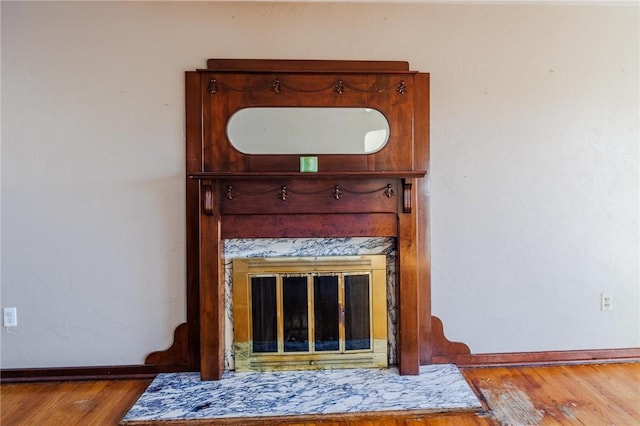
{"points": [[402, 88], [228, 192], [213, 86], [337, 194], [276, 86], [282, 194]]}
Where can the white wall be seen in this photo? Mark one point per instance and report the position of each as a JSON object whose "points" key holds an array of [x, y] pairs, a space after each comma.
{"points": [[534, 164]]}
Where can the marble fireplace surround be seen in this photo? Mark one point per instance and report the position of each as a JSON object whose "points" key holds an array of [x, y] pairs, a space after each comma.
{"points": [[273, 247]]}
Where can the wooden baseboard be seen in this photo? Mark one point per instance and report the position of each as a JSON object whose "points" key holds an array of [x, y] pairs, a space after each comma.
{"points": [[17, 375], [447, 352], [599, 356], [175, 359], [540, 358]]}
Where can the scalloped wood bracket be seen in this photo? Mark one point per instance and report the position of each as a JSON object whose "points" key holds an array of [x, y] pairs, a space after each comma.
{"points": [[441, 345], [177, 354]]}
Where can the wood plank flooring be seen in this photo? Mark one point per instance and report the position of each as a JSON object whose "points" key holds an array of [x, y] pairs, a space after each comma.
{"points": [[102, 402], [605, 394]]}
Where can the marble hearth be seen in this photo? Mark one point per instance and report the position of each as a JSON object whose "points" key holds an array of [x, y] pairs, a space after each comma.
{"points": [[296, 396]]}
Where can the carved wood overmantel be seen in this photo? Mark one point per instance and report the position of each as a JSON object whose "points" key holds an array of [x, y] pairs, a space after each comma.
{"points": [[230, 194]]}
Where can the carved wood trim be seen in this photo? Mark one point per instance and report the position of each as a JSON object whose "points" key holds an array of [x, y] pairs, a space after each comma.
{"points": [[207, 199], [336, 191], [290, 196], [277, 86], [441, 346], [176, 354], [406, 197]]}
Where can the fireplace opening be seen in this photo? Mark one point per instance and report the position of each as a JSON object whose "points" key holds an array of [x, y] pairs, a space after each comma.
{"points": [[310, 312]]}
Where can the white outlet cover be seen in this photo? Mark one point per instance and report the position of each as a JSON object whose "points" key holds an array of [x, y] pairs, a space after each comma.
{"points": [[10, 317], [606, 301]]}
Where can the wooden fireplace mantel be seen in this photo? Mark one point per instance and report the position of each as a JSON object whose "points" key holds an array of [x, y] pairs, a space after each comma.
{"points": [[234, 195]]}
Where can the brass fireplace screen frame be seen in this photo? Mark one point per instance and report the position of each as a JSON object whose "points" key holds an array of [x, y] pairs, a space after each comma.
{"points": [[246, 269]]}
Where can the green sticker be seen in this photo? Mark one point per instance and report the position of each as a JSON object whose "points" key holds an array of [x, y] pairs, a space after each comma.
{"points": [[308, 164]]}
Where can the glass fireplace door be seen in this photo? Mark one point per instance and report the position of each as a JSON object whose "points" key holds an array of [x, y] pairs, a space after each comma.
{"points": [[311, 313], [326, 313]]}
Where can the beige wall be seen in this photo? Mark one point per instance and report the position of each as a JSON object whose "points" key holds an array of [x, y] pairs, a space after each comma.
{"points": [[534, 164]]}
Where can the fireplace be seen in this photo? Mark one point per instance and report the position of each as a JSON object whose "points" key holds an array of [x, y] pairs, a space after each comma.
{"points": [[309, 312], [309, 187], [255, 248]]}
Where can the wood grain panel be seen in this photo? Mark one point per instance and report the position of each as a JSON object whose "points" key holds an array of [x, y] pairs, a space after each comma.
{"points": [[421, 99], [399, 152], [193, 163], [408, 292], [309, 226], [309, 65]]}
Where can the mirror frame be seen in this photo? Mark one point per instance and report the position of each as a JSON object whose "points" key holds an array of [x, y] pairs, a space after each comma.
{"points": [[225, 93]]}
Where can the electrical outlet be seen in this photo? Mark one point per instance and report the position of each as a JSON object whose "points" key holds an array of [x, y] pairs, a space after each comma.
{"points": [[606, 302], [10, 317]]}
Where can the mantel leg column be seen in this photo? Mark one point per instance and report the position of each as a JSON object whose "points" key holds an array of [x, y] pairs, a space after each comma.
{"points": [[408, 283], [211, 284]]}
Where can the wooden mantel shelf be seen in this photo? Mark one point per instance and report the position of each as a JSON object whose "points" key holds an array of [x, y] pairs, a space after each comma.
{"points": [[307, 175]]}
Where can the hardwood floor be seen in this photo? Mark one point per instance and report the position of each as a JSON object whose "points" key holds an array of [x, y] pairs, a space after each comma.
{"points": [[605, 394], [102, 402]]}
